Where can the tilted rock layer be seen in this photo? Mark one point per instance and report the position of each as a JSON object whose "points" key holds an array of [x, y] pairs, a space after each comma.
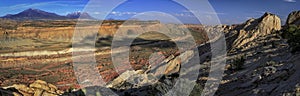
{"points": [[254, 28]]}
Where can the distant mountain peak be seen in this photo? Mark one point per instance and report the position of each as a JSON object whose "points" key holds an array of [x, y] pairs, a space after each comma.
{"points": [[34, 14], [33, 9], [81, 15]]}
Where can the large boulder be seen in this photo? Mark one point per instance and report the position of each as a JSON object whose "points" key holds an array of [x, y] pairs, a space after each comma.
{"points": [[131, 78]]}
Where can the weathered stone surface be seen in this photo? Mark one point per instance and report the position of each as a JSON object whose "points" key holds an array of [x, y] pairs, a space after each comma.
{"points": [[40, 85], [122, 78], [24, 88], [38, 88], [255, 28], [269, 68], [293, 18], [141, 82], [173, 66], [38, 92]]}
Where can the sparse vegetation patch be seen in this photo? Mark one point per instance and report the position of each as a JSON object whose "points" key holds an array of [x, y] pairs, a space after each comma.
{"points": [[292, 34]]}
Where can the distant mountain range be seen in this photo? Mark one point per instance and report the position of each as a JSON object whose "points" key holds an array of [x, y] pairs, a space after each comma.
{"points": [[82, 15], [36, 14]]}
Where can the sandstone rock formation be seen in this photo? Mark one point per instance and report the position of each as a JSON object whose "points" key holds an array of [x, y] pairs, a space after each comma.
{"points": [[38, 88], [255, 28], [293, 18]]}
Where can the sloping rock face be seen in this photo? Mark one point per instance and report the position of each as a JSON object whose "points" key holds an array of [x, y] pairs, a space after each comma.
{"points": [[293, 18], [269, 68], [255, 28]]}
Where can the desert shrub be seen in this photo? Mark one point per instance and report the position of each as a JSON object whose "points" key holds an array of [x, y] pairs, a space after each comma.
{"points": [[271, 63], [197, 90], [71, 88], [292, 34], [238, 63], [130, 32], [8, 24]]}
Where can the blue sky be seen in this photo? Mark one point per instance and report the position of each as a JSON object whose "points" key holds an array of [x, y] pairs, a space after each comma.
{"points": [[228, 11]]}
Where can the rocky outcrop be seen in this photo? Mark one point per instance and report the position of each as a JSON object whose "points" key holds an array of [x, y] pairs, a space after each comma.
{"points": [[167, 67], [147, 82], [269, 68], [38, 88], [255, 28], [293, 18]]}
